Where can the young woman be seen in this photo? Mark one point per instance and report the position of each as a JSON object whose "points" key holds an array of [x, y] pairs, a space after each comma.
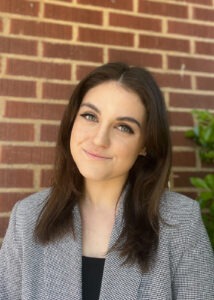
{"points": [[108, 228]]}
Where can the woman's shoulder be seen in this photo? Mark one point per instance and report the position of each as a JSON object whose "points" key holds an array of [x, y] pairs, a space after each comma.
{"points": [[24, 216], [28, 209], [176, 208], [34, 202]]}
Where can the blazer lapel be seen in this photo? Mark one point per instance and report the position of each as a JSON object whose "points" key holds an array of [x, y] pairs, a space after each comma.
{"points": [[119, 281], [62, 266]]}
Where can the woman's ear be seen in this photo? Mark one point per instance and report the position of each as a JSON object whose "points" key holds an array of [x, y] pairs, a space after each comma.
{"points": [[143, 152]]}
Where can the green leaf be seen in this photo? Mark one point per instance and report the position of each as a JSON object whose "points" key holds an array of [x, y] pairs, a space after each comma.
{"points": [[190, 134], [203, 136], [208, 134], [205, 196], [207, 156], [212, 208], [199, 183], [209, 179], [202, 115]]}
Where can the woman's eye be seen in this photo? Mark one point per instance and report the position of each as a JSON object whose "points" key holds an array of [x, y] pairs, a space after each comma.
{"points": [[89, 117], [126, 129]]}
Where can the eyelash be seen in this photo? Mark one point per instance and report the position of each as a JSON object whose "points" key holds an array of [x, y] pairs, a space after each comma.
{"points": [[92, 118], [89, 117], [126, 129]]}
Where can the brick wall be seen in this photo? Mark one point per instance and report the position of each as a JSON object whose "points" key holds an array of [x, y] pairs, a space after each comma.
{"points": [[47, 46]]}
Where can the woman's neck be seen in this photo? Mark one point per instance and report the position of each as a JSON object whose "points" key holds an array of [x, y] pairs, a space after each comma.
{"points": [[102, 195]]}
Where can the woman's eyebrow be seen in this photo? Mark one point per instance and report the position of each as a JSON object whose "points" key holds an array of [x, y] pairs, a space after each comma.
{"points": [[130, 119], [125, 118], [91, 106]]}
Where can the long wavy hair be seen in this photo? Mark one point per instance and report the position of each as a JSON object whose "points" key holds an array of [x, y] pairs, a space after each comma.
{"points": [[146, 181]]}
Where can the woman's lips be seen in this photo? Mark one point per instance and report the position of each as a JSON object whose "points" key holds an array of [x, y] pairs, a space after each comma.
{"points": [[95, 155]]}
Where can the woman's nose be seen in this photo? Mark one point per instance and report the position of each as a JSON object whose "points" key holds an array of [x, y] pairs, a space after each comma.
{"points": [[101, 137]]}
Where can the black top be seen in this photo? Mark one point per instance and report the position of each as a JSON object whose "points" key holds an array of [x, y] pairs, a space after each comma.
{"points": [[92, 272]]}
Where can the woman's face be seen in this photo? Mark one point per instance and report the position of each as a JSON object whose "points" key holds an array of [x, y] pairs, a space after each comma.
{"points": [[108, 132]]}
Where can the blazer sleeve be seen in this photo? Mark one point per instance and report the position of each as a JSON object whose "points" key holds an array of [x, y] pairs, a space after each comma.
{"points": [[194, 276], [10, 263]]}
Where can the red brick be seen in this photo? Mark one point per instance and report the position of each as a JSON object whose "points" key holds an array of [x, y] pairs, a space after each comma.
{"points": [[191, 64], [207, 166], [38, 69], [203, 2], [82, 71], [20, 7], [204, 83], [17, 88], [73, 52], [136, 58], [184, 159], [139, 23], [56, 91], [189, 29], [163, 9], [49, 133], [179, 139], [3, 225], [173, 80], [191, 101], [43, 111], [46, 178], [58, 12], [182, 179], [1, 26], [190, 194], [161, 43], [122, 5], [203, 14], [8, 200], [17, 46], [180, 119], [204, 48], [41, 29], [16, 132], [105, 37], [27, 155], [16, 178]]}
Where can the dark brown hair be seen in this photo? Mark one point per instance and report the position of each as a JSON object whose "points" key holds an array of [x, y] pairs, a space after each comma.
{"points": [[147, 178]]}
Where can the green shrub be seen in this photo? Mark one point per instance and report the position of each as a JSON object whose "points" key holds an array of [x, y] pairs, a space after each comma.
{"points": [[203, 135]]}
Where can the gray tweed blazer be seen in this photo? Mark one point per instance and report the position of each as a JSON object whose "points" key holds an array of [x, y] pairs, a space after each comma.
{"points": [[183, 270]]}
